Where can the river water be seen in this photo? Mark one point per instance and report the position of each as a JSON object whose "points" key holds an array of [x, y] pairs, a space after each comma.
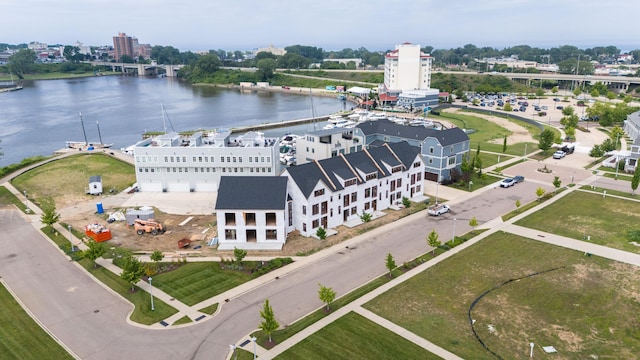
{"points": [[40, 118]]}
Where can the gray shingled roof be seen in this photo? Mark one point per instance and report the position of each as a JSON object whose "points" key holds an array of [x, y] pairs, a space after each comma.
{"points": [[252, 193], [308, 175], [386, 127]]}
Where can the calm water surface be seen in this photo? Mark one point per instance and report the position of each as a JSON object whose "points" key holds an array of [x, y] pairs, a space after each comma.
{"points": [[40, 118]]}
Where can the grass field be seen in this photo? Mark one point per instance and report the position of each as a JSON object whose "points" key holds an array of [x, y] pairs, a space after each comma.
{"points": [[21, 337], [68, 177], [582, 308], [6, 198], [355, 337], [606, 220], [192, 283]]}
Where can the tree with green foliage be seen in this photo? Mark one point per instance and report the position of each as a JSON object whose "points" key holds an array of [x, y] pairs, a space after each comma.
{"points": [[546, 140], [504, 144], [594, 93], [518, 203], [239, 254], [327, 295], [157, 256], [540, 192], [365, 217], [611, 95], [479, 165], [321, 233], [94, 251], [266, 69], [22, 62], [635, 180], [49, 214], [616, 134], [390, 263], [577, 91], [269, 323], [432, 240], [554, 90], [406, 202], [507, 107], [539, 93], [132, 271], [473, 222], [556, 182], [208, 64], [596, 151]]}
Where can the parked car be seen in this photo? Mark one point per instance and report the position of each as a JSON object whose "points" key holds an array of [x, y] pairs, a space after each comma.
{"points": [[518, 179], [508, 182], [437, 210], [559, 154], [559, 107]]}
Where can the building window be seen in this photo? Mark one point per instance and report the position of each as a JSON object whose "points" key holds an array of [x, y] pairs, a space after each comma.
{"points": [[315, 209], [431, 150], [416, 164], [304, 209], [350, 182], [315, 224], [399, 183], [452, 161], [221, 158], [346, 201], [250, 159], [319, 192], [354, 197], [234, 159], [230, 234], [304, 227], [228, 158], [230, 218], [371, 176], [323, 208], [396, 169]]}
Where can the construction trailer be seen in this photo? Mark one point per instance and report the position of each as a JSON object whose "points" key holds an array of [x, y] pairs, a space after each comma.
{"points": [[95, 185]]}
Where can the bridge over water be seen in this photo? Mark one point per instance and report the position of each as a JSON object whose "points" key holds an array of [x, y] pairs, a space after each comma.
{"points": [[140, 69]]}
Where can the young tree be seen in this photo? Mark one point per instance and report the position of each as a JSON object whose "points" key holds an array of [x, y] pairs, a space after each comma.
{"points": [[507, 107], [557, 182], [321, 233], [406, 202], [327, 295], [49, 214], [390, 263], [479, 165], [504, 144], [473, 222], [94, 251], [132, 271], [546, 140], [554, 90], [635, 180], [239, 254], [518, 203], [433, 241], [269, 323], [365, 217], [157, 256], [540, 192]]}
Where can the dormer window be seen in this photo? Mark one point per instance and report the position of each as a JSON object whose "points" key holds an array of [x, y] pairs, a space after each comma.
{"points": [[371, 176], [349, 182]]}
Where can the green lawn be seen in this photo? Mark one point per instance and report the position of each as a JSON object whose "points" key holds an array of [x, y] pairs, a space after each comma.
{"points": [[6, 198], [192, 283], [140, 299], [21, 337], [355, 337], [577, 308], [606, 220], [70, 176]]}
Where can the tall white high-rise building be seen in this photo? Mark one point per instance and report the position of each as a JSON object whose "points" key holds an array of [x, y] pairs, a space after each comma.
{"points": [[407, 68]]}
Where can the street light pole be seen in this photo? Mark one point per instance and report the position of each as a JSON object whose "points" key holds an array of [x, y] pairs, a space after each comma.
{"points": [[254, 339], [70, 237], [151, 292], [26, 202], [617, 153], [232, 347]]}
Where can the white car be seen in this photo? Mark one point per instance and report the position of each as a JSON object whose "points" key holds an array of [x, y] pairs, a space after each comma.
{"points": [[559, 154], [508, 182]]}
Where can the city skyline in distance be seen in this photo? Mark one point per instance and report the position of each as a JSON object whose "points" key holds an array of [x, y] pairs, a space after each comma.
{"points": [[194, 25]]}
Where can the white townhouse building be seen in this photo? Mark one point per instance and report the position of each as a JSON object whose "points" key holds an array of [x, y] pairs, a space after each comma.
{"points": [[330, 192], [253, 212], [174, 162], [323, 144]]}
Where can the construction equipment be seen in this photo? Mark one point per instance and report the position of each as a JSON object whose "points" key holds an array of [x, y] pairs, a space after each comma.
{"points": [[148, 226]]}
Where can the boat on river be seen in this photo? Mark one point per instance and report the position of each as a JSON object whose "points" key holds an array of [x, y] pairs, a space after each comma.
{"points": [[86, 145]]}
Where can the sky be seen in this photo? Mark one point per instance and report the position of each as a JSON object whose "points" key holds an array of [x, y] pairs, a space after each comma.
{"points": [[328, 24]]}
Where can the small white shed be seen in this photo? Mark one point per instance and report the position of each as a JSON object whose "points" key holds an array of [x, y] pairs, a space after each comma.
{"points": [[95, 185]]}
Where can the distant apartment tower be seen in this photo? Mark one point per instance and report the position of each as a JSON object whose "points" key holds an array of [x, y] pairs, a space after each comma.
{"points": [[122, 45], [407, 68]]}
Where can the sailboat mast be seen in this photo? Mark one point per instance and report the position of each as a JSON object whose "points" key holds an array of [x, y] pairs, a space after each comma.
{"points": [[99, 135], [83, 131], [313, 113]]}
